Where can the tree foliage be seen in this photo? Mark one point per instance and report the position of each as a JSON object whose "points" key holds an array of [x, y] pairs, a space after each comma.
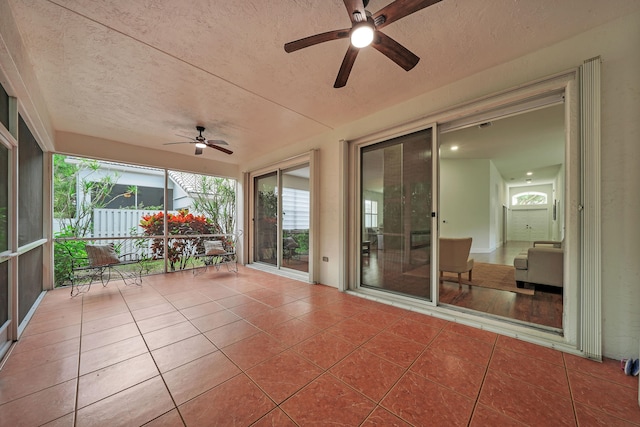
{"points": [[216, 198]]}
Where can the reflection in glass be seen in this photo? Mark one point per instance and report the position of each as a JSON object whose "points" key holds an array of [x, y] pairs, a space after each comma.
{"points": [[295, 218], [266, 218], [396, 215]]}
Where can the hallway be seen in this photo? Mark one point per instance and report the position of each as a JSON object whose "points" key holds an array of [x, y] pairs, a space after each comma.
{"points": [[258, 349]]}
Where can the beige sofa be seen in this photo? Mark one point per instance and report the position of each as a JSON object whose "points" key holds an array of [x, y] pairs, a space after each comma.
{"points": [[542, 264]]}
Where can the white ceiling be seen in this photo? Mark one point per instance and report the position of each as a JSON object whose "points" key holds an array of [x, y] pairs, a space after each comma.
{"points": [[141, 72]]}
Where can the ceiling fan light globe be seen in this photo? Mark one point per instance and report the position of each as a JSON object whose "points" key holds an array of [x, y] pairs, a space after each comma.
{"points": [[201, 145], [362, 35]]}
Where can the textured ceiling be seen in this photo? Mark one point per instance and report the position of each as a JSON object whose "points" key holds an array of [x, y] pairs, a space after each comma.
{"points": [[141, 72]]}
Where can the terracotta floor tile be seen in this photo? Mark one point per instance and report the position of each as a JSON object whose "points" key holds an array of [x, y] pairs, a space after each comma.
{"points": [[458, 374], [159, 322], [394, 348], [235, 402], [200, 310], [328, 401], [48, 338], [269, 320], [461, 346], [354, 331], [324, 349], [421, 369], [53, 321], [293, 332], [187, 299], [414, 331], [108, 336], [170, 334], [422, 402], [253, 350], [154, 310], [214, 320], [235, 300], [134, 406], [297, 308], [108, 355], [608, 370], [369, 374], [534, 371], [605, 396], [14, 385], [380, 417], [40, 356], [64, 421], [252, 308], [275, 418], [40, 407], [181, 352], [283, 375], [524, 402], [276, 300], [169, 419], [231, 333], [322, 318], [484, 416], [532, 350], [93, 326], [194, 378], [588, 416], [377, 318], [103, 383], [432, 321], [475, 333]]}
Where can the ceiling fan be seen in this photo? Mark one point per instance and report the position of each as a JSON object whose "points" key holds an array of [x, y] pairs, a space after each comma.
{"points": [[201, 142], [365, 30]]}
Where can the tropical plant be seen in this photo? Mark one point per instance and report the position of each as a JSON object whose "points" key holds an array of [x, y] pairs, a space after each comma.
{"points": [[180, 249]]}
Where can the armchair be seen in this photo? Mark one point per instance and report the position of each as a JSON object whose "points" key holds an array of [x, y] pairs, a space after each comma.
{"points": [[454, 257]]}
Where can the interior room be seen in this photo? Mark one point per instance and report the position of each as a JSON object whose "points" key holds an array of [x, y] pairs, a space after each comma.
{"points": [[218, 213]]}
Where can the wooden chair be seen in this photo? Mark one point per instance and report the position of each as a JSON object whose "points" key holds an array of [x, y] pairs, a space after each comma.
{"points": [[454, 257]]}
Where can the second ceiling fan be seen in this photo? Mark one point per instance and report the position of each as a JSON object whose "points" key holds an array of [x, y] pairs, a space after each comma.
{"points": [[201, 142], [365, 30]]}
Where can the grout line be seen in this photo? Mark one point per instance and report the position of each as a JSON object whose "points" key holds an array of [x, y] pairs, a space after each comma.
{"points": [[77, 394]]}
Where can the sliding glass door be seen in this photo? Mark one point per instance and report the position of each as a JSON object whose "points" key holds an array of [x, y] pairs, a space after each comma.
{"points": [[396, 201], [282, 236], [266, 218]]}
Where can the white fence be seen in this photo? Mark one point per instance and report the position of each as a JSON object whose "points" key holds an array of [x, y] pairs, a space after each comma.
{"points": [[114, 222], [119, 222]]}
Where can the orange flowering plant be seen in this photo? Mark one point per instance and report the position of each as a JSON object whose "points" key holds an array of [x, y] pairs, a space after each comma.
{"points": [[180, 249]]}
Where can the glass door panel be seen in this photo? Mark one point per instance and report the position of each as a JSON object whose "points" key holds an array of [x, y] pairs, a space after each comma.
{"points": [[4, 236], [266, 219], [295, 218], [396, 206]]}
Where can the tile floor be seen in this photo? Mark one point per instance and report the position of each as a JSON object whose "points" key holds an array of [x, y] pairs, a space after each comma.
{"points": [[223, 349]]}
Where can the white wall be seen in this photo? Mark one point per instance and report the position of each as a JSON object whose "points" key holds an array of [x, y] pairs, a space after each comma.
{"points": [[464, 201]]}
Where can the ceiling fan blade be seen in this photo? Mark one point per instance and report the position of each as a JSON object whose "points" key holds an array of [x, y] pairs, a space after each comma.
{"points": [[182, 142], [318, 38], [399, 9], [217, 147], [217, 142], [347, 65], [198, 151], [354, 6], [395, 51]]}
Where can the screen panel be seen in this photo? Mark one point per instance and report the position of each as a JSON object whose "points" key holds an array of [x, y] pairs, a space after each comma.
{"points": [[30, 176]]}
